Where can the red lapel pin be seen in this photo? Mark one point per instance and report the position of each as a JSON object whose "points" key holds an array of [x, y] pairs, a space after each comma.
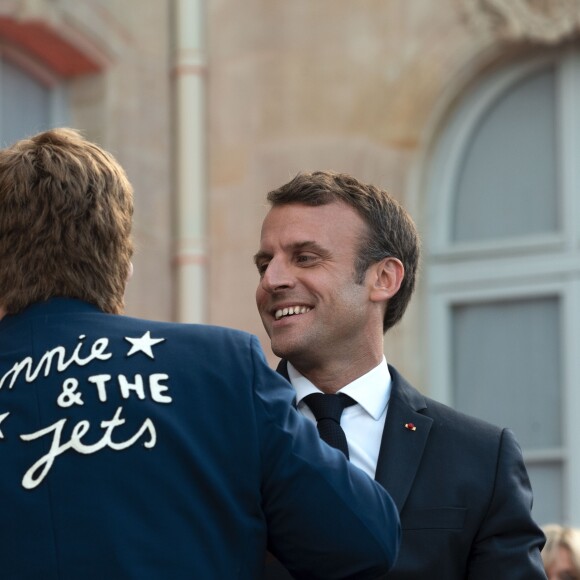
{"points": [[410, 426]]}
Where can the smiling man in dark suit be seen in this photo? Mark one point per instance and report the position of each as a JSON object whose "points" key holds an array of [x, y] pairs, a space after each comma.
{"points": [[337, 264], [134, 449]]}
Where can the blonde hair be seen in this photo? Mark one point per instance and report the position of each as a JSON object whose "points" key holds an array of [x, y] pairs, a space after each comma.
{"points": [[560, 536], [66, 210]]}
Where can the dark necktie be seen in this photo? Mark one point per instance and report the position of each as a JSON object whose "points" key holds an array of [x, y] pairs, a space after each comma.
{"points": [[327, 410]]}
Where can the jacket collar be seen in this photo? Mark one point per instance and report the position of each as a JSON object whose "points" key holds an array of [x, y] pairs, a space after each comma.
{"points": [[52, 306], [404, 439]]}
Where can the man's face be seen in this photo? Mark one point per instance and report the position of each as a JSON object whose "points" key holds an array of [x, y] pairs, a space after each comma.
{"points": [[309, 302]]}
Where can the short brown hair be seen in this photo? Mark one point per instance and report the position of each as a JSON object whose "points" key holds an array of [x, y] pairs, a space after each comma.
{"points": [[391, 231], [66, 209]]}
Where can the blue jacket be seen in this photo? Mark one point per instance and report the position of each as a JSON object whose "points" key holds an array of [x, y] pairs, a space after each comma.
{"points": [[149, 450]]}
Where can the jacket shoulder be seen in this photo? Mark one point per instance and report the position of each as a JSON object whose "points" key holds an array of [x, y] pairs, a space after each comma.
{"points": [[443, 415], [199, 331]]}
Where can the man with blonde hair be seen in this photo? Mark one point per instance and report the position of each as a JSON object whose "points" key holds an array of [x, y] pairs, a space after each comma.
{"points": [[139, 449]]}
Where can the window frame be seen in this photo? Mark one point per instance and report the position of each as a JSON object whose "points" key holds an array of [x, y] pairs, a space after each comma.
{"points": [[533, 266], [59, 105]]}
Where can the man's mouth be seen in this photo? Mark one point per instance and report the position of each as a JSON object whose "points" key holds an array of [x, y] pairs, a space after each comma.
{"points": [[290, 311]]}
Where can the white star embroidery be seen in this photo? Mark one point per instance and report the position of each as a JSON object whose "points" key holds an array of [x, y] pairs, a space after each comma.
{"points": [[143, 344], [2, 417]]}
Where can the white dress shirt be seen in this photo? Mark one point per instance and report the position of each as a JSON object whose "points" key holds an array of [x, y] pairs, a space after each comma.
{"points": [[362, 423]]}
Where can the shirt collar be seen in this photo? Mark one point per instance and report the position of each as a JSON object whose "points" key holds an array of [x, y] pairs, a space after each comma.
{"points": [[371, 391]]}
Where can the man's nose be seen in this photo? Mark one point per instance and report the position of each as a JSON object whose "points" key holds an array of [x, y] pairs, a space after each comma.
{"points": [[278, 276]]}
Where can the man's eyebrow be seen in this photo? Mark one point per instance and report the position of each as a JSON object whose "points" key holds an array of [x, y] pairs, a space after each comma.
{"points": [[295, 247], [261, 256], [307, 245]]}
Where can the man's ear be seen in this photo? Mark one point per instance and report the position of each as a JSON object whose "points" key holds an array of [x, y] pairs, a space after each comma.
{"points": [[386, 277]]}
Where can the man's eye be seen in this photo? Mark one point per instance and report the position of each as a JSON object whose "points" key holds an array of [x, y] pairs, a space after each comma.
{"points": [[262, 267], [305, 258]]}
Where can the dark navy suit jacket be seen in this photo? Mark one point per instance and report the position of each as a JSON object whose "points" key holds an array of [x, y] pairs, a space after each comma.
{"points": [[462, 491], [133, 449]]}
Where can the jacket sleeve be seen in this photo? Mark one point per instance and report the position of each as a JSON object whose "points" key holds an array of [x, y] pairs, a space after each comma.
{"points": [[509, 542], [326, 518]]}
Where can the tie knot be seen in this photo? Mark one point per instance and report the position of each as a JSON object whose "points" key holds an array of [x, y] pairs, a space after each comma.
{"points": [[328, 406]]}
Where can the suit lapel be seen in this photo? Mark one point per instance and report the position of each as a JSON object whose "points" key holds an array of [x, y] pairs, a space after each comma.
{"points": [[401, 447], [282, 369]]}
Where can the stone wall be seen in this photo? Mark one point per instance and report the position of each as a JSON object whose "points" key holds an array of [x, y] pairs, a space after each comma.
{"points": [[361, 87]]}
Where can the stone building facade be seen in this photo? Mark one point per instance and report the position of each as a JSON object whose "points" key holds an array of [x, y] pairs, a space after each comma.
{"points": [[465, 110]]}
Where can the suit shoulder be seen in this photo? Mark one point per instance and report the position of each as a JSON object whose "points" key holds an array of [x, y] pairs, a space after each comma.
{"points": [[217, 341], [442, 415], [453, 418], [205, 331]]}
